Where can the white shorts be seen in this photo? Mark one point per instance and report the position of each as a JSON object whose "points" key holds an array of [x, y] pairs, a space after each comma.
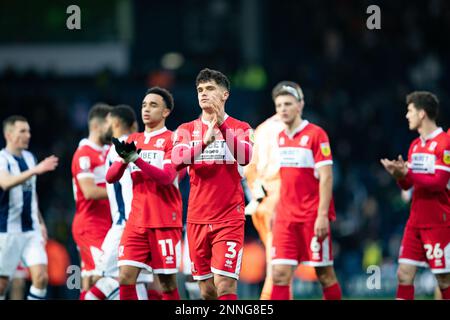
{"points": [[107, 266], [186, 258], [27, 247]]}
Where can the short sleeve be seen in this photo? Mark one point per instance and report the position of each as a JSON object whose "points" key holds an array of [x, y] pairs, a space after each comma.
{"points": [[182, 136], [322, 150], [83, 166], [168, 152], [3, 163], [443, 155]]}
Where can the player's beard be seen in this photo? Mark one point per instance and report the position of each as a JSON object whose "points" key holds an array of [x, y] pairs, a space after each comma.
{"points": [[106, 138]]}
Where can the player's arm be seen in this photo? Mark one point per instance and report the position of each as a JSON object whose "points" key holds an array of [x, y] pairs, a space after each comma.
{"points": [[183, 155], [90, 190], [325, 194], [115, 171], [8, 181], [163, 176], [432, 182]]}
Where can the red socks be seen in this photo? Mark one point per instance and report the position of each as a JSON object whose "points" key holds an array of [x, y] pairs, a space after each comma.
{"points": [[280, 293], [332, 292], [405, 292], [128, 292], [97, 293], [446, 293], [82, 294], [171, 295], [230, 296], [154, 295]]}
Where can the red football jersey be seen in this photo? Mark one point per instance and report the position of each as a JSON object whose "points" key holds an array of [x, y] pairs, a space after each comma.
{"points": [[89, 162], [154, 205], [216, 194], [430, 208], [301, 154]]}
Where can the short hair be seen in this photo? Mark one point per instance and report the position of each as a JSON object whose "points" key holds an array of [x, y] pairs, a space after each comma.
{"points": [[165, 94], [424, 100], [206, 75], [288, 87], [125, 114], [11, 120], [99, 111]]}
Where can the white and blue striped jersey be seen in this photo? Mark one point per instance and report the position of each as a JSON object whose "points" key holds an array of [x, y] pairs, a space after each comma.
{"points": [[18, 205], [120, 193]]}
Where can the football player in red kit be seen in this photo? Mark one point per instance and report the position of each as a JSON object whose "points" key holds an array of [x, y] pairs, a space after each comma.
{"points": [[92, 218], [426, 238], [214, 147], [152, 236], [301, 231]]}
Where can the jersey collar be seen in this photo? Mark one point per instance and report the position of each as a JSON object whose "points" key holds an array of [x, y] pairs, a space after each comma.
{"points": [[207, 122], [432, 135], [302, 126], [154, 133], [87, 142]]}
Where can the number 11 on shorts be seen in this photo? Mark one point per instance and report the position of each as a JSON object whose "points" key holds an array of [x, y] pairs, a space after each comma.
{"points": [[166, 243]]}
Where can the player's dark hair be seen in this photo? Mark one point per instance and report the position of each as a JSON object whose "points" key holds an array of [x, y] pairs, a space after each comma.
{"points": [[287, 87], [165, 94], [206, 75], [424, 100], [99, 111], [11, 120], [125, 114]]}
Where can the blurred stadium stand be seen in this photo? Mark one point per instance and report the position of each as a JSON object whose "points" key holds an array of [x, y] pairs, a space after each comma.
{"points": [[355, 81]]}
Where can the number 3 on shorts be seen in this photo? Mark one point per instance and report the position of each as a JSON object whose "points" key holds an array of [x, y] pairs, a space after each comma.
{"points": [[231, 252]]}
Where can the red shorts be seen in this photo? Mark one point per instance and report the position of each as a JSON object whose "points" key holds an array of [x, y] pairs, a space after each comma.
{"points": [[426, 247], [89, 245], [156, 249], [216, 248], [295, 242]]}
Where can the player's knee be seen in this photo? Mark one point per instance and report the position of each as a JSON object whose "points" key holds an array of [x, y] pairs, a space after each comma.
{"points": [[207, 290], [443, 281], [326, 276], [4, 281], [281, 275], [41, 280], [226, 285], [405, 276], [168, 282], [126, 277]]}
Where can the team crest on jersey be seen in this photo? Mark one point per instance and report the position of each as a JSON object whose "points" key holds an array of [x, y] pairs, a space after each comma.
{"points": [[325, 148], [160, 142], [196, 133], [85, 163], [432, 146], [304, 141], [447, 157]]}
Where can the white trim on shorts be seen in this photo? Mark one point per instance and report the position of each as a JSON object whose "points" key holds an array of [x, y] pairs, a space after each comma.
{"points": [[135, 264], [225, 273], [89, 273], [165, 271], [203, 277], [413, 262], [317, 264], [290, 262], [440, 271]]}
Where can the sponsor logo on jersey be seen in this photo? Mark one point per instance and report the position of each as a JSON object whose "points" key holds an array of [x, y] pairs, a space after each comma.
{"points": [[325, 148], [85, 163], [447, 157]]}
